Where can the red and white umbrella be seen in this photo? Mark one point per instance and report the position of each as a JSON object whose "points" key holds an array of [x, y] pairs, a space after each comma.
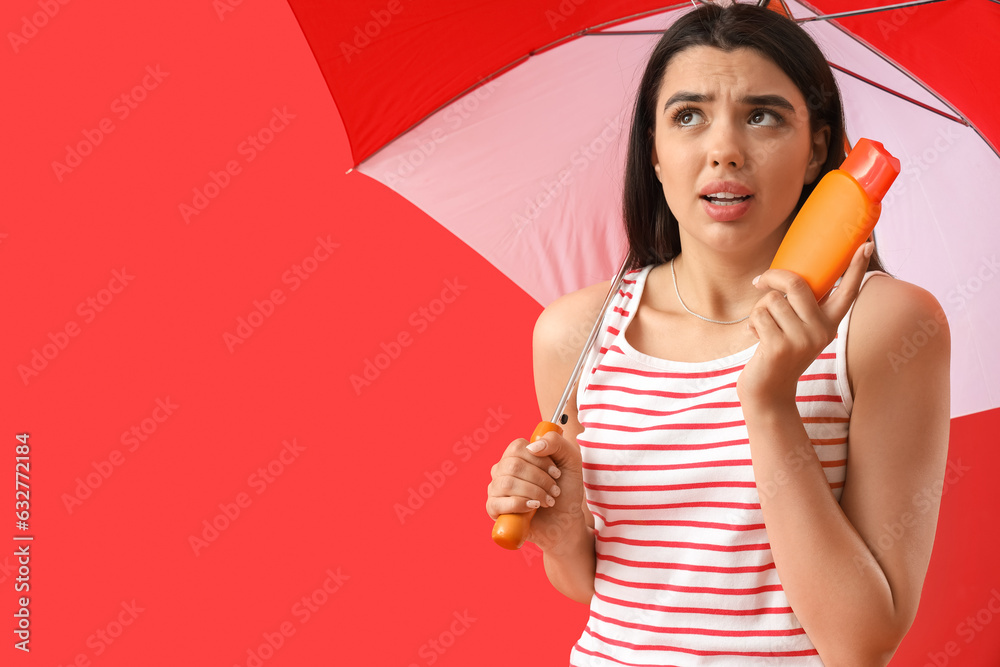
{"points": [[508, 124]]}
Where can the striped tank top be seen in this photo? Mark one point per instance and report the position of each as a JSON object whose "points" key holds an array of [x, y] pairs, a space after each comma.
{"points": [[684, 572]]}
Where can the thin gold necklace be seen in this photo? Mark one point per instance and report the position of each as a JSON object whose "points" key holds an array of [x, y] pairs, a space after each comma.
{"points": [[673, 275]]}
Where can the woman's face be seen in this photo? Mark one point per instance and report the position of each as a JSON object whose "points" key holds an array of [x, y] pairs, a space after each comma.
{"points": [[733, 122]]}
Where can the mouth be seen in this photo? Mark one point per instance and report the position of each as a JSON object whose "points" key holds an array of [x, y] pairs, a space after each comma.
{"points": [[725, 198], [725, 206]]}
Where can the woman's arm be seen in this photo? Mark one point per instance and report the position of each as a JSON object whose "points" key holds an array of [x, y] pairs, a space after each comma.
{"points": [[559, 337], [570, 567], [853, 571]]}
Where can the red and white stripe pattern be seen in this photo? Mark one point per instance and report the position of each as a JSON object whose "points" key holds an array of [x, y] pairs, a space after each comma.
{"points": [[685, 574]]}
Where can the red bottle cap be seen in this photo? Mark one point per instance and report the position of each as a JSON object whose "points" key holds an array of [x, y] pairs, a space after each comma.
{"points": [[872, 167]]}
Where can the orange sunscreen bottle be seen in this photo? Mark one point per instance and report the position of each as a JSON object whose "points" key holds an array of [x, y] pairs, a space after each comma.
{"points": [[838, 217]]}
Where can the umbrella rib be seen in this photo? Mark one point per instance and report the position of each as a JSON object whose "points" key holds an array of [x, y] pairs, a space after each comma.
{"points": [[514, 63], [589, 345], [597, 30], [465, 92], [859, 12], [805, 19], [960, 121], [964, 121]]}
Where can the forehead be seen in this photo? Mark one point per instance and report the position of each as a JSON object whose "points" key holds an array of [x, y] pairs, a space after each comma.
{"points": [[706, 69]]}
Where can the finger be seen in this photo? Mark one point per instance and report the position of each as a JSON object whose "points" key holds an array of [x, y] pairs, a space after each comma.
{"points": [[560, 450], [795, 289], [763, 325], [495, 506], [782, 280], [522, 495], [517, 477], [783, 315], [836, 305], [519, 449]]}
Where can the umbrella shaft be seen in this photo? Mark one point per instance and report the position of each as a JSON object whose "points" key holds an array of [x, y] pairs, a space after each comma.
{"points": [[615, 284]]}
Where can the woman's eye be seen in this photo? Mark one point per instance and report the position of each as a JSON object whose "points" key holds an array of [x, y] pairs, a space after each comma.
{"points": [[686, 117], [758, 117]]}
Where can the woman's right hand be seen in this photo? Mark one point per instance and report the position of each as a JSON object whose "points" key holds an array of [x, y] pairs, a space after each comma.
{"points": [[524, 480]]}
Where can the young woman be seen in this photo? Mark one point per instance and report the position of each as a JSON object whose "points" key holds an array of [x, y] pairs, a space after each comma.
{"points": [[747, 476]]}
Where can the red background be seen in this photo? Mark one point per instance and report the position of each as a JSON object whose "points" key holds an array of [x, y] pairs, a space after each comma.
{"points": [[334, 506]]}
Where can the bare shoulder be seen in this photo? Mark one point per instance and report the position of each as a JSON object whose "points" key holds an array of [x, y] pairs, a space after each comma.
{"points": [[563, 327], [895, 324], [560, 335]]}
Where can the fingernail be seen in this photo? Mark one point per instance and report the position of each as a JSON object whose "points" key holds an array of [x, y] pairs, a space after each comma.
{"points": [[756, 279], [536, 446], [550, 500], [869, 248], [534, 504], [554, 472], [555, 491]]}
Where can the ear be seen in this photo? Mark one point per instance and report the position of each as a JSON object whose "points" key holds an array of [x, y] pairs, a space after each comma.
{"points": [[820, 145], [655, 161]]}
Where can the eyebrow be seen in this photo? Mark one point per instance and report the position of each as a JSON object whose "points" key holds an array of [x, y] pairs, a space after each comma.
{"points": [[750, 100]]}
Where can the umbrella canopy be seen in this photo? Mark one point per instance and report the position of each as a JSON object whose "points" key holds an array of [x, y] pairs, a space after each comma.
{"points": [[430, 53], [511, 133]]}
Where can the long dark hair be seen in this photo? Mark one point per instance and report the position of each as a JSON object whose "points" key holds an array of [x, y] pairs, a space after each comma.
{"points": [[650, 226]]}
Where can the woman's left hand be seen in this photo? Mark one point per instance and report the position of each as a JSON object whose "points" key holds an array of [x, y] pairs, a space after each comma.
{"points": [[793, 331]]}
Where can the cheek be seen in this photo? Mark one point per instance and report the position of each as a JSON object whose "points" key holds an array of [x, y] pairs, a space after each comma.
{"points": [[679, 173], [670, 194], [678, 189], [784, 191], [788, 170]]}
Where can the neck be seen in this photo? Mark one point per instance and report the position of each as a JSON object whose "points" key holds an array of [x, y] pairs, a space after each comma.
{"points": [[717, 286]]}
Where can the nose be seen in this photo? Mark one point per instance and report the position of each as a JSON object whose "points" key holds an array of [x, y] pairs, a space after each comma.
{"points": [[724, 146]]}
